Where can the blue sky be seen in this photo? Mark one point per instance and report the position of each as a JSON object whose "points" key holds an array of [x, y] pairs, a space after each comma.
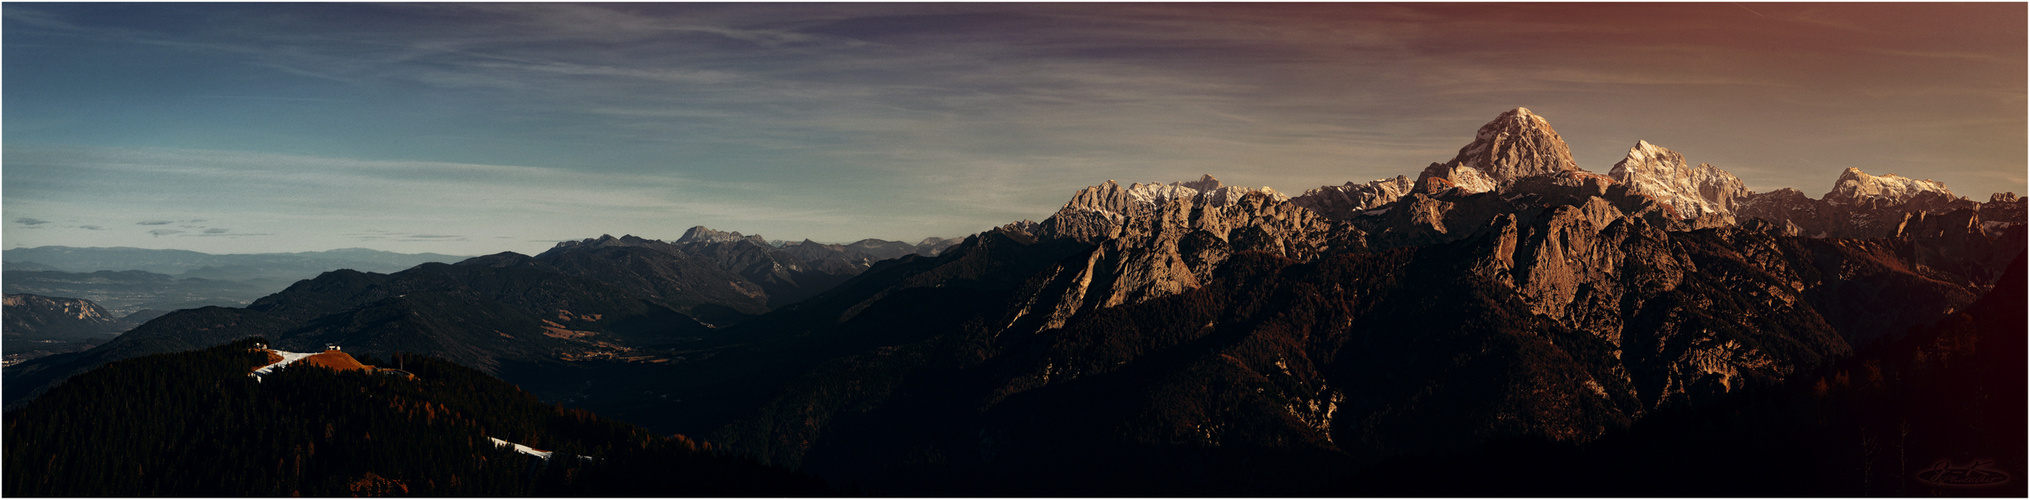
{"points": [[478, 128]]}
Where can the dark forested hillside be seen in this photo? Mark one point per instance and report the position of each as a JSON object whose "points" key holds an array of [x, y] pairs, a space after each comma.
{"points": [[195, 424], [591, 301], [477, 313]]}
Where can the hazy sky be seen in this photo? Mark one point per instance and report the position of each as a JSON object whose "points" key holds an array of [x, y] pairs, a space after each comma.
{"points": [[477, 128]]}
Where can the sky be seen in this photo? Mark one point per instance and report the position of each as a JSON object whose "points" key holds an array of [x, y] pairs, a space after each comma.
{"points": [[475, 128]]}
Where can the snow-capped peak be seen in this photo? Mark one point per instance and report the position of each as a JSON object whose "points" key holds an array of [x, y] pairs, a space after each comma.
{"points": [[1354, 198], [1855, 186], [1515, 145], [1112, 198], [1660, 173]]}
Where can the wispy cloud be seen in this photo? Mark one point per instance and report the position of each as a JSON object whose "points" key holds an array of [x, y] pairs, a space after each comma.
{"points": [[415, 196], [837, 121]]}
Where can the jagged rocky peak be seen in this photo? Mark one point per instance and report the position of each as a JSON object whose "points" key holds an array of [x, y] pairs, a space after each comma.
{"points": [[1857, 187], [2005, 208], [1662, 174], [606, 240], [1348, 200], [702, 234], [1204, 183], [1112, 198], [1516, 145]]}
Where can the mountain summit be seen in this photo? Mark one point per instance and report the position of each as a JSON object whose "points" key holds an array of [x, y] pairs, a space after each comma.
{"points": [[709, 235], [1515, 145], [1694, 192], [1857, 187]]}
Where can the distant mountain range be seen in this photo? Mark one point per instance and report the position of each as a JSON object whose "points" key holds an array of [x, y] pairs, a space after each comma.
{"points": [[38, 326], [189, 264], [1195, 338], [128, 292], [126, 280], [137, 284]]}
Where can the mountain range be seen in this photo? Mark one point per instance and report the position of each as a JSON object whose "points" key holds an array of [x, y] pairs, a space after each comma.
{"points": [[1195, 338], [237, 267], [721, 277]]}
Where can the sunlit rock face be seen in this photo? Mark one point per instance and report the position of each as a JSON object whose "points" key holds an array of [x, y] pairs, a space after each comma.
{"points": [[1857, 187], [1516, 145], [1658, 172], [1345, 201], [1155, 240]]}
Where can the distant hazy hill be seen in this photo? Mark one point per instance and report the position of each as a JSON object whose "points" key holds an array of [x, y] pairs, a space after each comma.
{"points": [[38, 326], [126, 292], [40, 317], [127, 280], [25, 266], [297, 265]]}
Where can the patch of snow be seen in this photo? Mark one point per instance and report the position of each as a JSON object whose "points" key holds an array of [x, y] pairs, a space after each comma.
{"points": [[498, 442], [287, 358], [545, 455]]}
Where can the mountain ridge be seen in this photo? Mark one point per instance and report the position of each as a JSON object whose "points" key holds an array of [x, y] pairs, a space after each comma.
{"points": [[1192, 337], [1602, 297]]}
